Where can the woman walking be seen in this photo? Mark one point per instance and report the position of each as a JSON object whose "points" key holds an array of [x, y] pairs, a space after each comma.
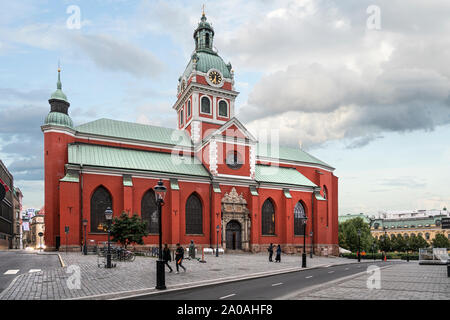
{"points": [[167, 257], [179, 255]]}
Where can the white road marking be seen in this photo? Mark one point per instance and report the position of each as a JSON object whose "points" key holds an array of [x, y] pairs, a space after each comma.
{"points": [[12, 271], [34, 270], [277, 284], [309, 277], [330, 271], [230, 295], [346, 268]]}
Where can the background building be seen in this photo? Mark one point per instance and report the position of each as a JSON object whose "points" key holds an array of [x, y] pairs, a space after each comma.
{"points": [[6, 210], [17, 222], [426, 223], [37, 225]]}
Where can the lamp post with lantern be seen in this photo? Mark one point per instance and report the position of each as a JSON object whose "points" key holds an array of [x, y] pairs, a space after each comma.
{"points": [[304, 242], [85, 222], [108, 216], [359, 245], [217, 245], [160, 192]]}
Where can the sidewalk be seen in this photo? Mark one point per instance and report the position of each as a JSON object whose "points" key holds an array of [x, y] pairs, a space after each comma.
{"points": [[405, 281], [138, 277]]}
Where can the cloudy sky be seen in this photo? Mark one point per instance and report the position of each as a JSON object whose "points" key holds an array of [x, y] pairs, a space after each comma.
{"points": [[362, 85]]}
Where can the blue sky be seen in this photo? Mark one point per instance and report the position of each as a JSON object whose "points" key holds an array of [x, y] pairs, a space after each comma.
{"points": [[372, 102]]}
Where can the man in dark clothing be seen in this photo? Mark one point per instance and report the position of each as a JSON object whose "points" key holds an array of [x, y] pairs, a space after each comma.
{"points": [[270, 249], [278, 257], [179, 255], [167, 257]]}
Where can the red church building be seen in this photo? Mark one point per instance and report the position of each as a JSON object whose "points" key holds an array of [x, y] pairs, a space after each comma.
{"points": [[219, 177]]}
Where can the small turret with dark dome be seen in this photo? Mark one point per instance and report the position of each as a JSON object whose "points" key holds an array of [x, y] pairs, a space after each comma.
{"points": [[59, 107]]}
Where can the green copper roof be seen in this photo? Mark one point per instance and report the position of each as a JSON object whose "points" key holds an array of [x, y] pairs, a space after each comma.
{"points": [[408, 222], [59, 119], [280, 175], [71, 177], [136, 131], [58, 94], [286, 153], [208, 61], [110, 157]]}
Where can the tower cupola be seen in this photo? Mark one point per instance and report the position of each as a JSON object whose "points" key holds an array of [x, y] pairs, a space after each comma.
{"points": [[203, 36], [59, 107]]}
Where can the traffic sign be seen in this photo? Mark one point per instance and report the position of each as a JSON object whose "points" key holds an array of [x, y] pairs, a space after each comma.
{"points": [[445, 223]]}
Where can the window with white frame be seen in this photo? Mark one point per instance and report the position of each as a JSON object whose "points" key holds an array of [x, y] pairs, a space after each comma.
{"points": [[223, 108], [205, 105]]}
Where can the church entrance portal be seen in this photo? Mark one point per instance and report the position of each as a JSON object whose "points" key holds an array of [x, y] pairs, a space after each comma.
{"points": [[234, 235]]}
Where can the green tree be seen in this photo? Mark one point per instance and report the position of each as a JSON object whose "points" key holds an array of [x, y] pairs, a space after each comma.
{"points": [[348, 235], [440, 241], [126, 230], [385, 243]]}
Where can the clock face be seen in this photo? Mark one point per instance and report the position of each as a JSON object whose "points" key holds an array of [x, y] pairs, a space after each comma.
{"points": [[215, 77]]}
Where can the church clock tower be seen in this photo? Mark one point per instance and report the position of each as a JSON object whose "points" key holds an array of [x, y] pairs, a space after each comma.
{"points": [[205, 91], [205, 109]]}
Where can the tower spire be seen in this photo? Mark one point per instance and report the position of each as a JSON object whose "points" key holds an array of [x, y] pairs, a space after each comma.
{"points": [[58, 84]]}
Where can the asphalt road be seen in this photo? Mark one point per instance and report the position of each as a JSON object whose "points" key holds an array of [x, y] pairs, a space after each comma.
{"points": [[15, 263], [267, 288]]}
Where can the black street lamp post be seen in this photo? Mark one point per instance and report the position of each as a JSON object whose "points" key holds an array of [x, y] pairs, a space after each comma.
{"points": [[373, 251], [407, 252], [160, 192], [108, 216], [311, 250], [85, 222], [304, 242], [359, 245], [217, 245]]}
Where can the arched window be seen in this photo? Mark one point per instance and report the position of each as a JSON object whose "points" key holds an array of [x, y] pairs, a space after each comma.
{"points": [[268, 218], [325, 195], [149, 211], [189, 109], [207, 40], [194, 215], [181, 117], [223, 108], [206, 105], [427, 236], [299, 216], [100, 200]]}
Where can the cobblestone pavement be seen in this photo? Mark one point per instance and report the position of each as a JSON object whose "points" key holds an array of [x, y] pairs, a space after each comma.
{"points": [[140, 276], [406, 281]]}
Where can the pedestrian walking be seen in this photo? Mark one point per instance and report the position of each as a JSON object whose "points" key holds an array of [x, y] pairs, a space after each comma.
{"points": [[192, 250], [270, 249], [278, 257], [179, 255], [167, 257]]}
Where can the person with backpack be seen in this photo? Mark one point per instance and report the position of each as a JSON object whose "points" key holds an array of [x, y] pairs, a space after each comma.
{"points": [[179, 255], [167, 257]]}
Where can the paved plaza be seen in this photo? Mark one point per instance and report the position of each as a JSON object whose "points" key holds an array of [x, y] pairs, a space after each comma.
{"points": [[140, 276], [405, 281]]}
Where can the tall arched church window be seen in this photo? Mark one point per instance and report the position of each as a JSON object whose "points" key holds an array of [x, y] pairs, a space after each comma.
{"points": [[223, 109], [194, 215], [268, 218], [100, 200], [325, 195], [299, 216], [189, 109], [149, 211], [205, 105]]}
